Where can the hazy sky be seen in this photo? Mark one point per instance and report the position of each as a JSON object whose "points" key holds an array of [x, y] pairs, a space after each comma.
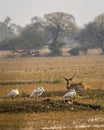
{"points": [[21, 11]]}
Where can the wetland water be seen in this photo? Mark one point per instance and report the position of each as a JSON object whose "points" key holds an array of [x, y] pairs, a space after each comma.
{"points": [[52, 121]]}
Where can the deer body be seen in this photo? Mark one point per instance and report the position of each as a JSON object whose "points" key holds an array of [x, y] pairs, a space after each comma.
{"points": [[76, 86]]}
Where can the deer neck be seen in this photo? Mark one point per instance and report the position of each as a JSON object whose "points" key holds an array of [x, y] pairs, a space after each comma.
{"points": [[68, 85]]}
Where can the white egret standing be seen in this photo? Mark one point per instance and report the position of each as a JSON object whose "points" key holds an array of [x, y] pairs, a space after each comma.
{"points": [[13, 93], [71, 94], [37, 92]]}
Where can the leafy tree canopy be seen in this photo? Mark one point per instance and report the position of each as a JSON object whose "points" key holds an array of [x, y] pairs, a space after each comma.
{"points": [[92, 36], [58, 25]]}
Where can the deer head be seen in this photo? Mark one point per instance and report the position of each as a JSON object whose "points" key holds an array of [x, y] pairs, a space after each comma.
{"points": [[68, 80]]}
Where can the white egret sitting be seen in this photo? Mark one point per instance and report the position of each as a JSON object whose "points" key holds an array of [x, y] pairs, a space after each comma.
{"points": [[71, 94], [37, 92], [13, 93]]}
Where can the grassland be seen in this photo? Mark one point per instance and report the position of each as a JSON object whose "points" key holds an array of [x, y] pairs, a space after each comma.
{"points": [[53, 120], [26, 74]]}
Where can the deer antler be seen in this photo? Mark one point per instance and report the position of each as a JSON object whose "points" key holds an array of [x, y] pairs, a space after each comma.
{"points": [[68, 79]]}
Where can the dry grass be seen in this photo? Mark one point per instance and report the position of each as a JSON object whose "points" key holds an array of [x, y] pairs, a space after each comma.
{"points": [[26, 74], [14, 73], [88, 69], [53, 120]]}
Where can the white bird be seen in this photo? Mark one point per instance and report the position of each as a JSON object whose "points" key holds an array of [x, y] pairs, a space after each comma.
{"points": [[13, 93], [70, 94], [37, 92]]}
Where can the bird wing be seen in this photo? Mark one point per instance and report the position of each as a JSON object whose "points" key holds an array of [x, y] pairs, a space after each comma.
{"points": [[36, 93], [12, 94], [69, 94]]}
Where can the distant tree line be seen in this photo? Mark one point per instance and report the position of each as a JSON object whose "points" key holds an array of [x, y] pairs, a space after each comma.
{"points": [[54, 30]]}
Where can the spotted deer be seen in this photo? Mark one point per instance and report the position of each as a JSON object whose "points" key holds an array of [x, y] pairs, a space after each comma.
{"points": [[76, 86]]}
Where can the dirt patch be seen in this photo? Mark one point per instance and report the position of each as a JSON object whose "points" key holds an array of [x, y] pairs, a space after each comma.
{"points": [[53, 101]]}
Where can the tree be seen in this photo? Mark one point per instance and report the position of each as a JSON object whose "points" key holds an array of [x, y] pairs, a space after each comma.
{"points": [[33, 38], [58, 25], [99, 21], [6, 32], [29, 43], [92, 36], [85, 37], [74, 51]]}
